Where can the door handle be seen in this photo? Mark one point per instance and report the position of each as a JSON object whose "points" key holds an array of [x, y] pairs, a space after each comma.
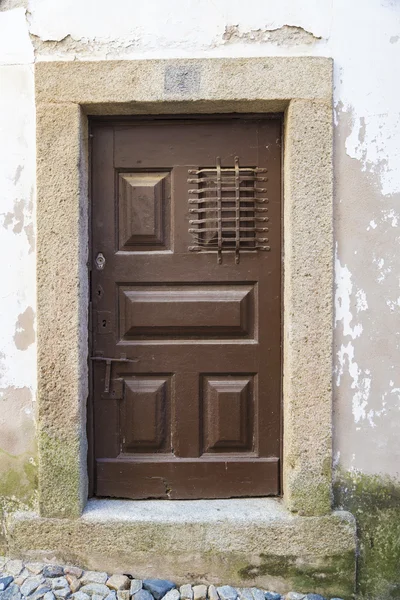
{"points": [[109, 362]]}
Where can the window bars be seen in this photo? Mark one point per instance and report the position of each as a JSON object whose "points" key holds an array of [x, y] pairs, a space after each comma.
{"points": [[227, 216]]}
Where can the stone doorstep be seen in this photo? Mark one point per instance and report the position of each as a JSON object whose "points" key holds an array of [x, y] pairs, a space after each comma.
{"points": [[246, 542]]}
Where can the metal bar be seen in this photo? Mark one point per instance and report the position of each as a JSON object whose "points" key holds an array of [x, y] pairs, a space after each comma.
{"points": [[109, 362], [228, 220], [106, 359], [214, 243], [107, 377], [206, 209], [226, 189], [227, 199], [228, 230], [226, 169], [219, 206], [230, 179], [237, 211], [211, 249]]}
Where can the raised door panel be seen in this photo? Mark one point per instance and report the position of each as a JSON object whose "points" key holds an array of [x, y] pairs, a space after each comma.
{"points": [[228, 413], [144, 210], [182, 311], [145, 421]]}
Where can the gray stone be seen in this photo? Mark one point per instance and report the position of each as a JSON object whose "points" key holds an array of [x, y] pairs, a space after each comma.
{"points": [[22, 576], [59, 583], [92, 589], [97, 597], [75, 571], [14, 567], [136, 585], [212, 592], [5, 582], [123, 595], [294, 596], [181, 81], [93, 577], [199, 592], [51, 571], [111, 596], [272, 596], [80, 596], [257, 594], [158, 587], [143, 595], [62, 593], [314, 597], [118, 582], [174, 594], [49, 596], [35, 567], [73, 582], [227, 592], [245, 593], [31, 584], [11, 593], [3, 561], [40, 592], [186, 592]]}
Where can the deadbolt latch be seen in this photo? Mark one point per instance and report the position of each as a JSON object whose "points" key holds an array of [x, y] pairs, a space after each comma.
{"points": [[109, 362]]}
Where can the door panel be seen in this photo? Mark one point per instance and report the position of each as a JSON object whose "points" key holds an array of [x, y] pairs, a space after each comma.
{"points": [[186, 373]]}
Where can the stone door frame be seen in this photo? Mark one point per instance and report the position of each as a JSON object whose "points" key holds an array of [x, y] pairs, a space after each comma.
{"points": [[66, 94]]}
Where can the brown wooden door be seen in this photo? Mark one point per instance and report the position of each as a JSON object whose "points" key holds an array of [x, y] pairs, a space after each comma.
{"points": [[191, 409]]}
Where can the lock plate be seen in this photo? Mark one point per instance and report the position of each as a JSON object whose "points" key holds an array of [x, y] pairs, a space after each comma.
{"points": [[104, 322], [100, 261]]}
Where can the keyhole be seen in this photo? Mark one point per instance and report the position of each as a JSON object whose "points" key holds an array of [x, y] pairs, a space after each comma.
{"points": [[104, 323]]}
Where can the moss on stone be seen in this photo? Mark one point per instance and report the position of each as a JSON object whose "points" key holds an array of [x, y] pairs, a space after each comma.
{"points": [[312, 499], [18, 488], [375, 502], [328, 575], [18, 482], [60, 492]]}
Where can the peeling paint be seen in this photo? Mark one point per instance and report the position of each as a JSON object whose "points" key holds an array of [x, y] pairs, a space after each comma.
{"points": [[288, 35], [24, 331], [367, 336], [344, 287], [11, 4], [30, 235], [82, 48], [15, 218]]}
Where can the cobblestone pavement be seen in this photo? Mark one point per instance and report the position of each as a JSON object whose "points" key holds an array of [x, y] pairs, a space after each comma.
{"points": [[38, 581]]}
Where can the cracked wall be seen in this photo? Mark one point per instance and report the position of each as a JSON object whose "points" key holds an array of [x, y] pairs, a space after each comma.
{"points": [[363, 39]]}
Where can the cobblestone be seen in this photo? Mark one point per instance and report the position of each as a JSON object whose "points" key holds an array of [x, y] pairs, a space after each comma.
{"points": [[38, 581]]}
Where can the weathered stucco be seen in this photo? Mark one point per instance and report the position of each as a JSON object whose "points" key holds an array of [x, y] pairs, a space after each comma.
{"points": [[363, 39], [18, 460], [375, 503]]}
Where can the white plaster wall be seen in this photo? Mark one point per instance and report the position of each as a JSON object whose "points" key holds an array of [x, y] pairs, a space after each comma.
{"points": [[364, 40]]}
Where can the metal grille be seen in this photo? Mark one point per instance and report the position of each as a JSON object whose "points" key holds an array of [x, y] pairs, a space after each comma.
{"points": [[227, 209]]}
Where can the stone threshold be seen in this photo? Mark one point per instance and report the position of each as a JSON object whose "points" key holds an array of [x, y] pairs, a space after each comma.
{"points": [[244, 542]]}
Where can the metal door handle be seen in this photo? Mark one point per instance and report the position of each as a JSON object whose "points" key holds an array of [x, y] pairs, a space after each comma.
{"points": [[108, 362]]}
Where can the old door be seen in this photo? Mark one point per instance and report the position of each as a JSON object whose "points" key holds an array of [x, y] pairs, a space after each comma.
{"points": [[185, 293]]}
